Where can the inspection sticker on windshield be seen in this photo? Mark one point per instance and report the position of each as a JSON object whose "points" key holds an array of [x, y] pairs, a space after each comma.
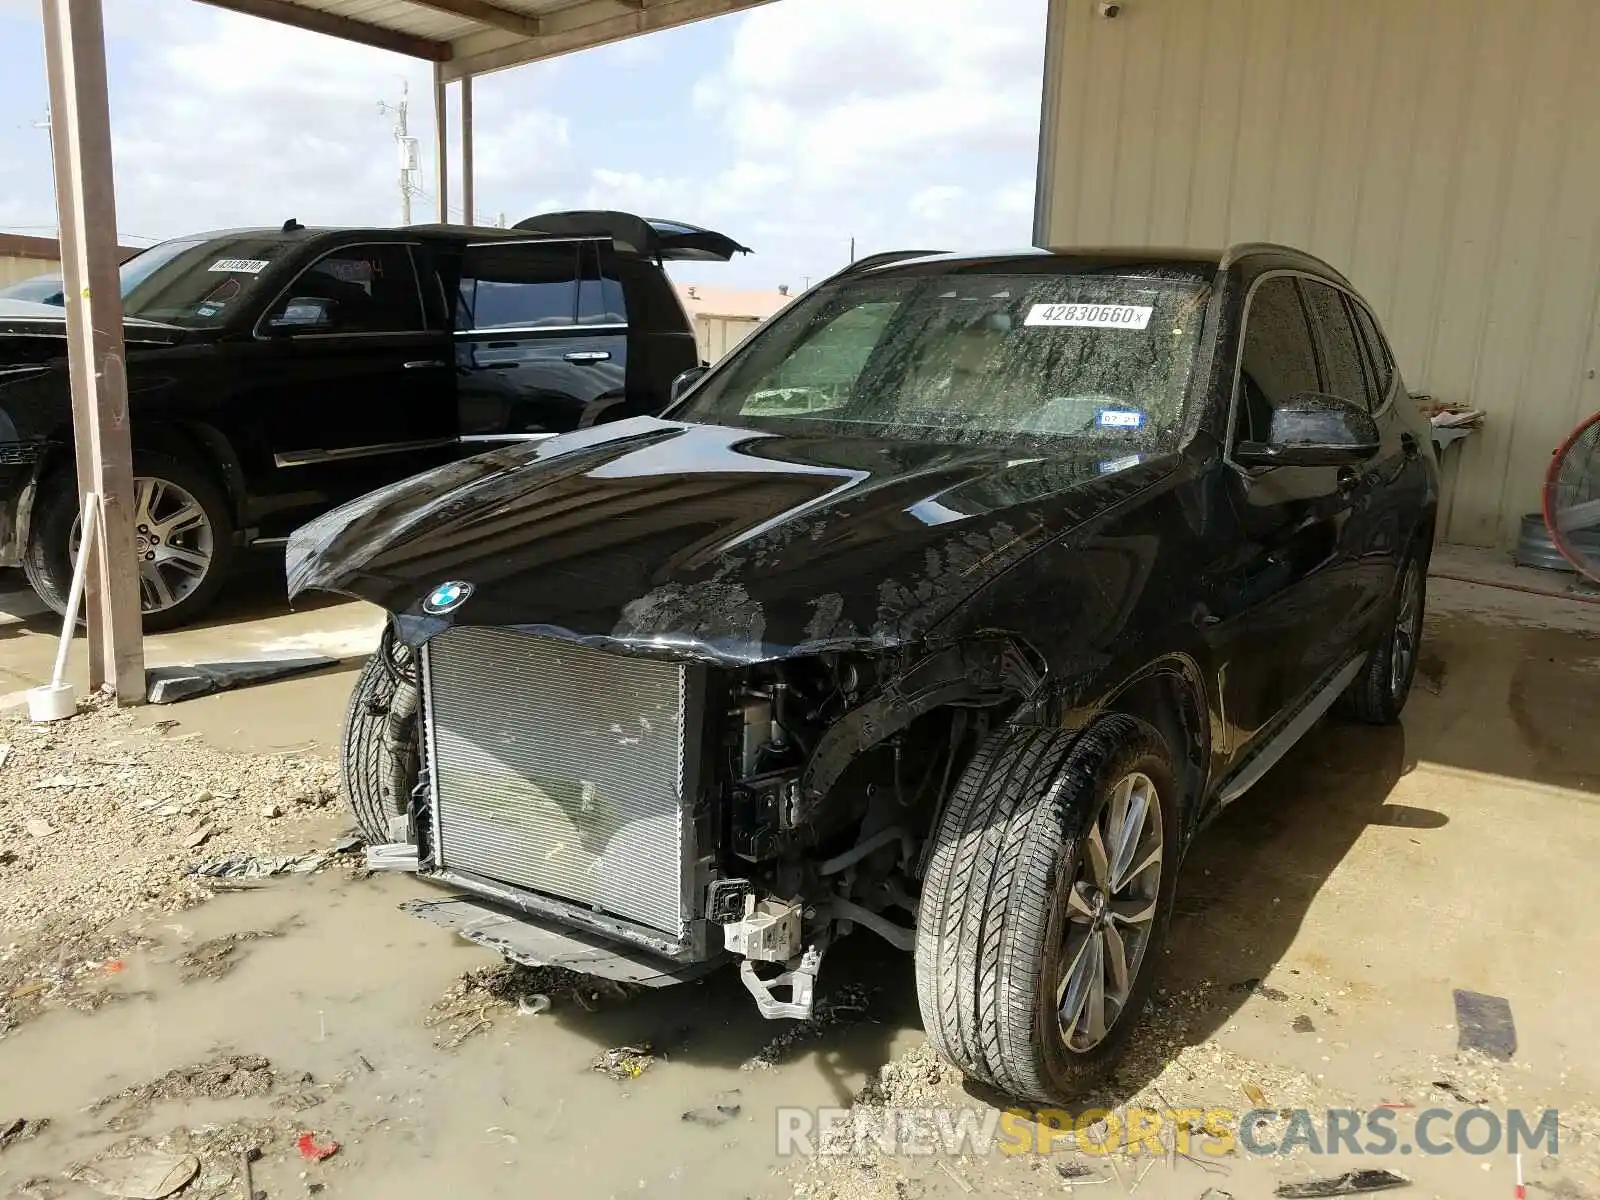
{"points": [[239, 266], [1120, 418], [1091, 316]]}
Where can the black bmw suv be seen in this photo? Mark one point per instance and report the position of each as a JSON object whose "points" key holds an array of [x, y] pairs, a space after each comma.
{"points": [[948, 608], [275, 373]]}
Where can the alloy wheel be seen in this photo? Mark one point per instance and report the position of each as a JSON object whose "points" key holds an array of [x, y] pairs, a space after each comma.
{"points": [[173, 540], [1111, 912], [1407, 631]]}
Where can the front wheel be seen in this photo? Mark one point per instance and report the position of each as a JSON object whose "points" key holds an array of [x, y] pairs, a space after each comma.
{"points": [[183, 539], [1045, 902]]}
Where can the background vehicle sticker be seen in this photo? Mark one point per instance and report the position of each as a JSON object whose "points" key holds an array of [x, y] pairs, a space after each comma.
{"points": [[240, 266], [1091, 316], [1112, 466], [1120, 418]]}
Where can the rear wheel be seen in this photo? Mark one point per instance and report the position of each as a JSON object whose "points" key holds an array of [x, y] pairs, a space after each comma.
{"points": [[1045, 902], [183, 539], [1378, 695]]}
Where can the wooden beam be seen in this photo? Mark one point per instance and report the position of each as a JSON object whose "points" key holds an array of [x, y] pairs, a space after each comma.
{"points": [[468, 191], [441, 144], [580, 26], [485, 13], [286, 13], [80, 142]]}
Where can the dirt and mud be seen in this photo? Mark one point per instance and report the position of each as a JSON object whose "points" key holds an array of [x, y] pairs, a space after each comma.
{"points": [[295, 1034]]}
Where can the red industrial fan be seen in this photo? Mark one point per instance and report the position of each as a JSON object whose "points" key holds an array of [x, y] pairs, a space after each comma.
{"points": [[1572, 498]]}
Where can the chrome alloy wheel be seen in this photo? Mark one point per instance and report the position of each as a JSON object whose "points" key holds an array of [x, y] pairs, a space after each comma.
{"points": [[1111, 912], [173, 540], [1407, 631]]}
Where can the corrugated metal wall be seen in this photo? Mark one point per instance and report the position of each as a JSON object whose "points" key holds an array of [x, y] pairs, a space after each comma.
{"points": [[1443, 153], [14, 270], [717, 334]]}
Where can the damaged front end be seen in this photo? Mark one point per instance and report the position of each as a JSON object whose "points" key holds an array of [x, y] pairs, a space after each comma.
{"points": [[646, 819]]}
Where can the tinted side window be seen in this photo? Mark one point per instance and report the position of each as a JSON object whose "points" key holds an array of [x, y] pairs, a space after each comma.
{"points": [[519, 285], [1277, 359], [359, 289], [1377, 353], [600, 299], [1343, 365]]}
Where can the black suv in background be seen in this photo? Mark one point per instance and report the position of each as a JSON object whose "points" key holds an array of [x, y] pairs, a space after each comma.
{"points": [[276, 373]]}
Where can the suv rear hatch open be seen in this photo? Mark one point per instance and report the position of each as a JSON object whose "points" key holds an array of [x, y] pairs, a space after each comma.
{"points": [[651, 237]]}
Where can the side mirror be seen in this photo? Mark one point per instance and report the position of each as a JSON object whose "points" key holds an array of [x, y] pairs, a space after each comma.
{"points": [[687, 380], [1314, 429], [303, 314]]}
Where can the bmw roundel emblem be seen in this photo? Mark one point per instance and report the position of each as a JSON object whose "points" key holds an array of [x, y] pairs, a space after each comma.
{"points": [[447, 597]]}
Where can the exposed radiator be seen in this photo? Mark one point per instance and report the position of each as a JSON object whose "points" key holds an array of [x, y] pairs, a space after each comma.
{"points": [[559, 769]]}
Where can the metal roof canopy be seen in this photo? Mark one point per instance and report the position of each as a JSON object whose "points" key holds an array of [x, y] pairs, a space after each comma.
{"points": [[474, 37], [465, 38]]}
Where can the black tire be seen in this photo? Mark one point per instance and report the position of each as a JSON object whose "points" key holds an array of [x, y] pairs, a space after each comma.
{"points": [[1378, 695], [377, 783], [47, 561], [992, 929]]}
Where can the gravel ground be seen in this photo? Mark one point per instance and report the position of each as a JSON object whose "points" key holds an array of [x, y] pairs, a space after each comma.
{"points": [[101, 819]]}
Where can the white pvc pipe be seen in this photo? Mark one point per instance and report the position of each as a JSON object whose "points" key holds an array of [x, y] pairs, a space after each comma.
{"points": [[69, 621]]}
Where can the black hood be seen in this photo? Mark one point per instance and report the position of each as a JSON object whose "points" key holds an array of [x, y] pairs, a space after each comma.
{"points": [[23, 321], [706, 540]]}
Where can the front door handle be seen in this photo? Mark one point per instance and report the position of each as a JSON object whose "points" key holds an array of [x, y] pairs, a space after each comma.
{"points": [[588, 356], [422, 364]]}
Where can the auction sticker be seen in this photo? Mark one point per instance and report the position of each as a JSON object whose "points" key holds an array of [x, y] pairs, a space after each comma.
{"points": [[1091, 316], [239, 266]]}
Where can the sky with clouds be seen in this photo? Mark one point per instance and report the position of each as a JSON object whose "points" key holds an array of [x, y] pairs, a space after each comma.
{"points": [[793, 127]]}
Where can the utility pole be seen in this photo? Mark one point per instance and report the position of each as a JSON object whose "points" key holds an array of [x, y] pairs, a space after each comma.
{"points": [[852, 249], [407, 146]]}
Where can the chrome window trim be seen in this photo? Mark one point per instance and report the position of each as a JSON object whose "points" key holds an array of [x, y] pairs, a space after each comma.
{"points": [[1244, 330], [478, 335], [312, 457], [475, 439], [416, 282]]}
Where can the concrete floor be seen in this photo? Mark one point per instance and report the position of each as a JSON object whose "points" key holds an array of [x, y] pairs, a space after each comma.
{"points": [[1372, 872]]}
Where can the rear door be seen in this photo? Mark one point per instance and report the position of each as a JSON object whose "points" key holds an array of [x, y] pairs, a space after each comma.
{"points": [[347, 381], [1291, 521], [541, 344], [661, 336]]}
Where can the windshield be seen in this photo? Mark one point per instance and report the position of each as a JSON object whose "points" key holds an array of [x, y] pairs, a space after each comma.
{"points": [[971, 358], [197, 282]]}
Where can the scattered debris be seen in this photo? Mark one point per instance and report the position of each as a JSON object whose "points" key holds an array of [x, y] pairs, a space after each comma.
{"points": [[1256, 1096], [1257, 988], [1456, 1094], [272, 811], [168, 685], [624, 1062], [1215, 1194], [313, 1150], [220, 955], [5, 753], [479, 996], [724, 1109], [848, 1004], [228, 1077], [7, 857], [1352, 1183], [1483, 1023], [532, 1006], [1076, 1172], [38, 827], [149, 1176], [1303, 1024], [250, 866], [202, 834], [21, 1130]]}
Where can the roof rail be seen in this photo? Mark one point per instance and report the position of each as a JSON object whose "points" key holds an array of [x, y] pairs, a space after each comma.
{"points": [[1237, 251], [882, 259]]}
